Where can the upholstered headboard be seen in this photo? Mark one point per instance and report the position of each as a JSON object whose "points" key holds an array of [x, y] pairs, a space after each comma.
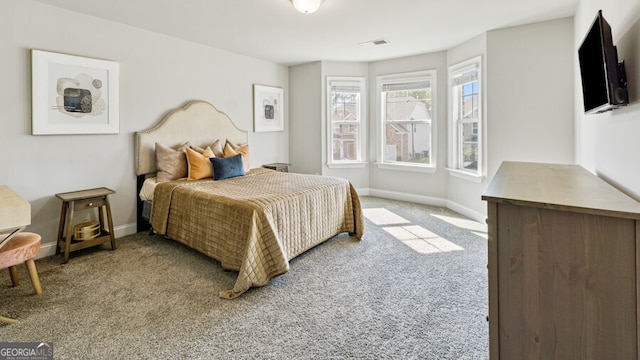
{"points": [[198, 122]]}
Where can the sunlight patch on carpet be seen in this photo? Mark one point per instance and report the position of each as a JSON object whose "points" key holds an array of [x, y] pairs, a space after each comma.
{"points": [[474, 226], [421, 240], [416, 237], [382, 216]]}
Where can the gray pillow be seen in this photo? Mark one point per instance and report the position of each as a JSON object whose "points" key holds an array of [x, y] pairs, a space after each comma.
{"points": [[171, 164]]}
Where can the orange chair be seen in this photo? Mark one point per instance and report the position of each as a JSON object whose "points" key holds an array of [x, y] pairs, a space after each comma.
{"points": [[23, 247]]}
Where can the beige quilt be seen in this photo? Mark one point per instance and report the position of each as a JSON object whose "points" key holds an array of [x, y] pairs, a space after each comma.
{"points": [[255, 224]]}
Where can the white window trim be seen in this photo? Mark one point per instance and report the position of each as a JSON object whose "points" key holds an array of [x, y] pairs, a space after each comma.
{"points": [[453, 162], [467, 175], [430, 169], [347, 165], [361, 162], [430, 75]]}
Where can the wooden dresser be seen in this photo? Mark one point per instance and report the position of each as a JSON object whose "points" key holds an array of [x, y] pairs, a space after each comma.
{"points": [[563, 265]]}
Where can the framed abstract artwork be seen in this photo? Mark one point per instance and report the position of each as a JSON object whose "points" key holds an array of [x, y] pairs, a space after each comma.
{"points": [[268, 108], [73, 94]]}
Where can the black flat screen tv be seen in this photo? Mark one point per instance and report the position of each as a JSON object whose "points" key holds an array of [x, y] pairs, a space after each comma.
{"points": [[604, 82]]}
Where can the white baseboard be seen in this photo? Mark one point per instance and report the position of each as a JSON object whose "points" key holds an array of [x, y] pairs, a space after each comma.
{"points": [[49, 248], [470, 213], [420, 199], [427, 200]]}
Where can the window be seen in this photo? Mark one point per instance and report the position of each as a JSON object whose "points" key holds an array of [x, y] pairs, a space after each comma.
{"points": [[466, 117], [345, 100], [407, 115]]}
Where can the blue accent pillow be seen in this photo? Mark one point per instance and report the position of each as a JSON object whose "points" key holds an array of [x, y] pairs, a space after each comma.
{"points": [[224, 168]]}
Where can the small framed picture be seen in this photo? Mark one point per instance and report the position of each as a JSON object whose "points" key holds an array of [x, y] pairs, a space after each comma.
{"points": [[73, 94], [268, 108]]}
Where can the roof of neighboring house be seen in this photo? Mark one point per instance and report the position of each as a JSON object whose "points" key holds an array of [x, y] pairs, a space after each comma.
{"points": [[348, 112], [406, 107], [399, 128]]}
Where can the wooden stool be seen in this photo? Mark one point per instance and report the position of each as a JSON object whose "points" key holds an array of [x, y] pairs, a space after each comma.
{"points": [[22, 248]]}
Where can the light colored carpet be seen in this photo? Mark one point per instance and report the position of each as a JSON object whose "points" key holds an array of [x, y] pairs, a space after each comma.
{"points": [[345, 299]]}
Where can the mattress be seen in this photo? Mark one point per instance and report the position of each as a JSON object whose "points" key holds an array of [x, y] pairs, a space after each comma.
{"points": [[148, 187]]}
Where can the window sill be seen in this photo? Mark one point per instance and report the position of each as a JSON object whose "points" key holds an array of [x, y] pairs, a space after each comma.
{"points": [[466, 175], [350, 165], [411, 168]]}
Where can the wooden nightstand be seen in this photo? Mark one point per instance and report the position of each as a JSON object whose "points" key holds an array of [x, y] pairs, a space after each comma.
{"points": [[83, 200], [282, 167]]}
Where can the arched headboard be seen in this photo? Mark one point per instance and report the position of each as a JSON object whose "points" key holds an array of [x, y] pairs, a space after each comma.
{"points": [[198, 122]]}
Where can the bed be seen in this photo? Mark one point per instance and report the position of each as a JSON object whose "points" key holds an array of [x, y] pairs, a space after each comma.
{"points": [[254, 223]]}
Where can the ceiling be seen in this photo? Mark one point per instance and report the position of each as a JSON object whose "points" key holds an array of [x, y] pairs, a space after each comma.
{"points": [[273, 30]]}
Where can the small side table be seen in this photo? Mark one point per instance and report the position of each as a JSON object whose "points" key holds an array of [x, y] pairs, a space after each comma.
{"points": [[282, 167], [82, 200]]}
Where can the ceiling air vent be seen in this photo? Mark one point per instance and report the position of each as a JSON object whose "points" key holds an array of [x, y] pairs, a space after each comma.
{"points": [[374, 42]]}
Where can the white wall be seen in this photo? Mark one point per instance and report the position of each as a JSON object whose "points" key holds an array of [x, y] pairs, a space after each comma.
{"points": [[530, 94], [157, 73], [305, 107], [607, 144]]}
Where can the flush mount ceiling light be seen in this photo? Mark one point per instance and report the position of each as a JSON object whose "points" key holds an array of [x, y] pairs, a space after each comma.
{"points": [[306, 6]]}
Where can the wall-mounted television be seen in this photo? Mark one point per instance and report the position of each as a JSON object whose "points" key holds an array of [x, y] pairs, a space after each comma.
{"points": [[604, 81]]}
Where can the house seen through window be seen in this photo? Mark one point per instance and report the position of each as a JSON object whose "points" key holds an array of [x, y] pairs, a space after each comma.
{"points": [[346, 119], [406, 118]]}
